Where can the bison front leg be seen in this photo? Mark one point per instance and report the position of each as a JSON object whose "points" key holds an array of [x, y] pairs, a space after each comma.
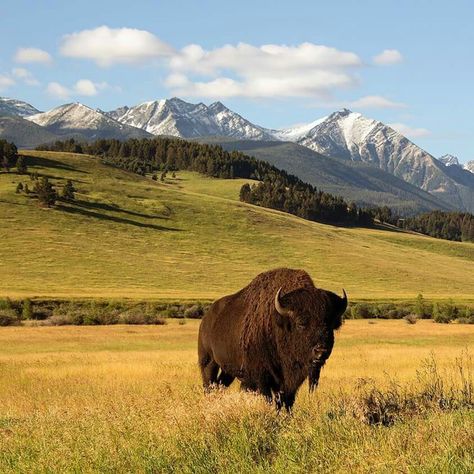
{"points": [[225, 379], [209, 370], [287, 400]]}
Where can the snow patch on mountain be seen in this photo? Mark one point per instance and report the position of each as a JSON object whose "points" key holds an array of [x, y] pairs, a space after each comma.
{"points": [[178, 118], [16, 108], [89, 122], [449, 160]]}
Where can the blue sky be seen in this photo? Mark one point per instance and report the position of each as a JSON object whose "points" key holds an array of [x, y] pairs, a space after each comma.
{"points": [[322, 56]]}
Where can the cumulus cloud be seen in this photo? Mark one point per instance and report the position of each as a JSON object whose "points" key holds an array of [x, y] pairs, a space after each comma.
{"points": [[388, 56], [376, 102], [83, 87], [5, 82], [57, 90], [408, 131], [271, 70], [32, 55], [107, 46], [25, 76]]}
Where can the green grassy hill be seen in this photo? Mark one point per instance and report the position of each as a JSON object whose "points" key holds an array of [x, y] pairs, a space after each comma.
{"points": [[355, 181], [130, 237]]}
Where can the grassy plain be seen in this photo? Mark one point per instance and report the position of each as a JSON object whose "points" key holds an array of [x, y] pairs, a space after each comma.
{"points": [[128, 399], [189, 238]]}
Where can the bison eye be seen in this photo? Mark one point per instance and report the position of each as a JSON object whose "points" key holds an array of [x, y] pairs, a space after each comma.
{"points": [[301, 326]]}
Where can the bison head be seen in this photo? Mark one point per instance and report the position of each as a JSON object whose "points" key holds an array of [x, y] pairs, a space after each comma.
{"points": [[309, 317]]}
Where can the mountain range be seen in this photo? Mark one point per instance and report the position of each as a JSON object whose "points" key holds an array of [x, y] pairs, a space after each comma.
{"points": [[363, 159]]}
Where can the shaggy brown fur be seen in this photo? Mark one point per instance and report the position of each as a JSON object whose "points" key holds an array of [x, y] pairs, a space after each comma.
{"points": [[244, 336]]}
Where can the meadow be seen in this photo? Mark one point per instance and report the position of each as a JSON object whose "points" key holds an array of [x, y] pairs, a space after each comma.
{"points": [[129, 399], [189, 238]]}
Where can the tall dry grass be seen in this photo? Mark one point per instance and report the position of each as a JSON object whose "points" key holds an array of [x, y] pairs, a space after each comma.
{"points": [[128, 399]]}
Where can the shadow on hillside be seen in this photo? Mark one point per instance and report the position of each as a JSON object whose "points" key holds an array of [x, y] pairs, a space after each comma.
{"points": [[60, 178], [47, 163], [108, 207], [105, 217]]}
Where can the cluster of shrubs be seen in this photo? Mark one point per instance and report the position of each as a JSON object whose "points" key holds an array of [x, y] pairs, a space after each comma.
{"points": [[439, 312], [59, 313], [99, 312]]}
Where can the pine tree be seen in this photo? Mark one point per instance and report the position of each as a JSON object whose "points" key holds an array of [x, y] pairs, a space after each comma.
{"points": [[26, 309], [420, 306], [45, 192], [21, 165], [68, 191], [19, 188]]}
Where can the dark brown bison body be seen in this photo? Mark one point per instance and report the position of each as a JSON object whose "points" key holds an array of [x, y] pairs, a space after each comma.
{"points": [[270, 335]]}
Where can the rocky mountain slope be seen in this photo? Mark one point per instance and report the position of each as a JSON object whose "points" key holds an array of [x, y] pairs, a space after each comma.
{"points": [[16, 108], [353, 137], [355, 181], [23, 133], [178, 118], [344, 135], [92, 124]]}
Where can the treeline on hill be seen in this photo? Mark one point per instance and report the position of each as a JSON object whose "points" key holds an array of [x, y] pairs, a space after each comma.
{"points": [[457, 226], [276, 188]]}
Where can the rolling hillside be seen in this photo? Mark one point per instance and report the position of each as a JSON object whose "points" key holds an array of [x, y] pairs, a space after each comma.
{"points": [[130, 237], [355, 181]]}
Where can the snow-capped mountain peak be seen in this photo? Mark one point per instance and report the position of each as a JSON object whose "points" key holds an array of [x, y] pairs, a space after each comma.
{"points": [[77, 117], [449, 160], [469, 166], [16, 108], [179, 118]]}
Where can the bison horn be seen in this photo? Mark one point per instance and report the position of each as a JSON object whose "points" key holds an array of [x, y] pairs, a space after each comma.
{"points": [[278, 306], [343, 302]]}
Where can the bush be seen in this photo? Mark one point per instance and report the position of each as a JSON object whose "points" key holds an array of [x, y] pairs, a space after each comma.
{"points": [[6, 304], [140, 317], [27, 309], [9, 317], [464, 320], [60, 320], [195, 312], [411, 318], [442, 317], [398, 313], [360, 311]]}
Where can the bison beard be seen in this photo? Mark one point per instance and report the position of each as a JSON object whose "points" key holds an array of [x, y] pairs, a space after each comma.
{"points": [[270, 335]]}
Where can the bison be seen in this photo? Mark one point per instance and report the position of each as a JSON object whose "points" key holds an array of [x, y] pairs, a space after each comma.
{"points": [[270, 335]]}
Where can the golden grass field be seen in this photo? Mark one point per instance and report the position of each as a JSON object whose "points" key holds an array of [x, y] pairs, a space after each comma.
{"points": [[129, 399], [190, 238]]}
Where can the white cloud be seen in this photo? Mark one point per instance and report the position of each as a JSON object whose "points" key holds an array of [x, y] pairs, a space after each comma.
{"points": [[306, 70], [32, 55], [25, 76], [408, 131], [107, 46], [5, 82], [376, 102], [83, 87], [57, 90], [388, 56]]}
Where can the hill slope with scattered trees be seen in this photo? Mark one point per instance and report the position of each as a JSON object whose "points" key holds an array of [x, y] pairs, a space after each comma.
{"points": [[277, 189]]}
